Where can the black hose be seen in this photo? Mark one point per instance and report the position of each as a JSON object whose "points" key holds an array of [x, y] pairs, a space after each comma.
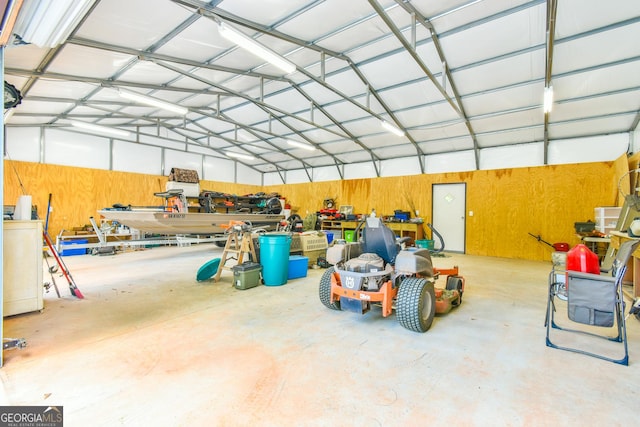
{"points": [[434, 231]]}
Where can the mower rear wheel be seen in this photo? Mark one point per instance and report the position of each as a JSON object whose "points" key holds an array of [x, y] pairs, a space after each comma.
{"points": [[416, 304], [324, 290], [454, 283]]}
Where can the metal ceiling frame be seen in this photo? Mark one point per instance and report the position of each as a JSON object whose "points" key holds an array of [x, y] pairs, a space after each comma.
{"points": [[193, 91], [195, 137]]}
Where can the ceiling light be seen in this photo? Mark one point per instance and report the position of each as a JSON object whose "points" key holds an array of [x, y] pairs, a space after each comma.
{"points": [[239, 156], [244, 136], [100, 129], [548, 99], [49, 23], [153, 102], [391, 128], [301, 145], [255, 48]]}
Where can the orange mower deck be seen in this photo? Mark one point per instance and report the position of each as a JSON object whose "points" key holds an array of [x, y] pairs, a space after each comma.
{"points": [[386, 295]]}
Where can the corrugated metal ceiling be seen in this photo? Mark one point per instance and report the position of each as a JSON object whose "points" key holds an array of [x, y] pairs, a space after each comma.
{"points": [[454, 75]]}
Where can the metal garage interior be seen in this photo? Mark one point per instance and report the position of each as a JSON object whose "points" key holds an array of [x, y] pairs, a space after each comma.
{"points": [[534, 102]]}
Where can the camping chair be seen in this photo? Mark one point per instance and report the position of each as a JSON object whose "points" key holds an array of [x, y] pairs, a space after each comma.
{"points": [[595, 300]]}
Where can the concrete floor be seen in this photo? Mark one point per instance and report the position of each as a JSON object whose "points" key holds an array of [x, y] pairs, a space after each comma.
{"points": [[149, 345]]}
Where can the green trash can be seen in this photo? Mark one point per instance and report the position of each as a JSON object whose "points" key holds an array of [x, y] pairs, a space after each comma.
{"points": [[274, 258]]}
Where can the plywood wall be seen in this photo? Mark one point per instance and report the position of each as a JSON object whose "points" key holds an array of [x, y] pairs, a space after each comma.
{"points": [[508, 204], [78, 193]]}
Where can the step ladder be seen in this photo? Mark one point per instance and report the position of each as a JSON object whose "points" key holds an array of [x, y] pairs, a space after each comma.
{"points": [[239, 243]]}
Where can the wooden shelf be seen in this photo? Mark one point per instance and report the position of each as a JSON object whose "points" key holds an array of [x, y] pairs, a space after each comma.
{"points": [[402, 229]]}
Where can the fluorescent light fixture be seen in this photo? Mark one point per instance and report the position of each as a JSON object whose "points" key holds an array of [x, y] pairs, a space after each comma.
{"points": [[100, 129], [49, 23], [391, 128], [301, 145], [548, 99], [255, 48], [239, 156], [153, 102], [245, 136]]}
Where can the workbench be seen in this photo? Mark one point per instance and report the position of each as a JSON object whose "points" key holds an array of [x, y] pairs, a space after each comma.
{"points": [[598, 245], [402, 229], [632, 277]]}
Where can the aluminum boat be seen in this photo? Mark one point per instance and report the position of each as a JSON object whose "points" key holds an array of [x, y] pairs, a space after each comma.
{"points": [[163, 222]]}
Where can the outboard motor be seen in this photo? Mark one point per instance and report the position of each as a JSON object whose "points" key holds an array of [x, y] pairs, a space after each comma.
{"points": [[273, 206]]}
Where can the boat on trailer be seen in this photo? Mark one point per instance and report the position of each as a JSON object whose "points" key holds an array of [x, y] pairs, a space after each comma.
{"points": [[162, 222], [175, 218]]}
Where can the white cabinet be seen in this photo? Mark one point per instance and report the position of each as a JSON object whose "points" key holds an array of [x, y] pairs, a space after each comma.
{"points": [[607, 218], [22, 267]]}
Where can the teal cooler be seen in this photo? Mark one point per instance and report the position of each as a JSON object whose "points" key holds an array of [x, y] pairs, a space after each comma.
{"points": [[274, 258]]}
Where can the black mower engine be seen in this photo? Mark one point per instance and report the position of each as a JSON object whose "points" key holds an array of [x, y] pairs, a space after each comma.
{"points": [[367, 263]]}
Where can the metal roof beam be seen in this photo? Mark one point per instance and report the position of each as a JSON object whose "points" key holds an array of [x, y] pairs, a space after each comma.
{"points": [[264, 107], [217, 13], [552, 7], [409, 8]]}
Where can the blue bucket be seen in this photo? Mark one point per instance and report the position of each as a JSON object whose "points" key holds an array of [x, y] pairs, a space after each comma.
{"points": [[274, 258], [329, 236]]}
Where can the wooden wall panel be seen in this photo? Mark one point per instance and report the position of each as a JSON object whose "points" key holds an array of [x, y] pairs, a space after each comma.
{"points": [[308, 197], [78, 193], [507, 204]]}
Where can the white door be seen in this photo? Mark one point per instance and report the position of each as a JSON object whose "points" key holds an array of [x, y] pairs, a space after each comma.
{"points": [[449, 207]]}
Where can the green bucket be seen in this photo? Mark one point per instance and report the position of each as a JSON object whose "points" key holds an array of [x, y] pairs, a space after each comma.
{"points": [[274, 258], [426, 244]]}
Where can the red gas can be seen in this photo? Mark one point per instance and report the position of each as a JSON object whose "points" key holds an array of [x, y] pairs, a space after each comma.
{"points": [[581, 258]]}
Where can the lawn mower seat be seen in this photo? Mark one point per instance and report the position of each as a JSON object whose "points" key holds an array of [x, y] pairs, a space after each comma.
{"points": [[377, 238]]}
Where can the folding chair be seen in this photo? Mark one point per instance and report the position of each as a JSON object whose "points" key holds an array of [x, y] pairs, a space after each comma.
{"points": [[595, 300]]}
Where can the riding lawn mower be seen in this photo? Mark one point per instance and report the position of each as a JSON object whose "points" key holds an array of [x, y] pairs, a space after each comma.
{"points": [[376, 270]]}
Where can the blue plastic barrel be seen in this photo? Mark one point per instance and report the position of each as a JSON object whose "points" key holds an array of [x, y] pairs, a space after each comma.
{"points": [[274, 257]]}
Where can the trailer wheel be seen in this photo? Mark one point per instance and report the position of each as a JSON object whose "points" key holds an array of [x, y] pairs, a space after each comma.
{"points": [[454, 283], [416, 304], [324, 290]]}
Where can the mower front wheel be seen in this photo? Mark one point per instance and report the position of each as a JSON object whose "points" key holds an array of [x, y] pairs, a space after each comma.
{"points": [[454, 283], [324, 290], [416, 304]]}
